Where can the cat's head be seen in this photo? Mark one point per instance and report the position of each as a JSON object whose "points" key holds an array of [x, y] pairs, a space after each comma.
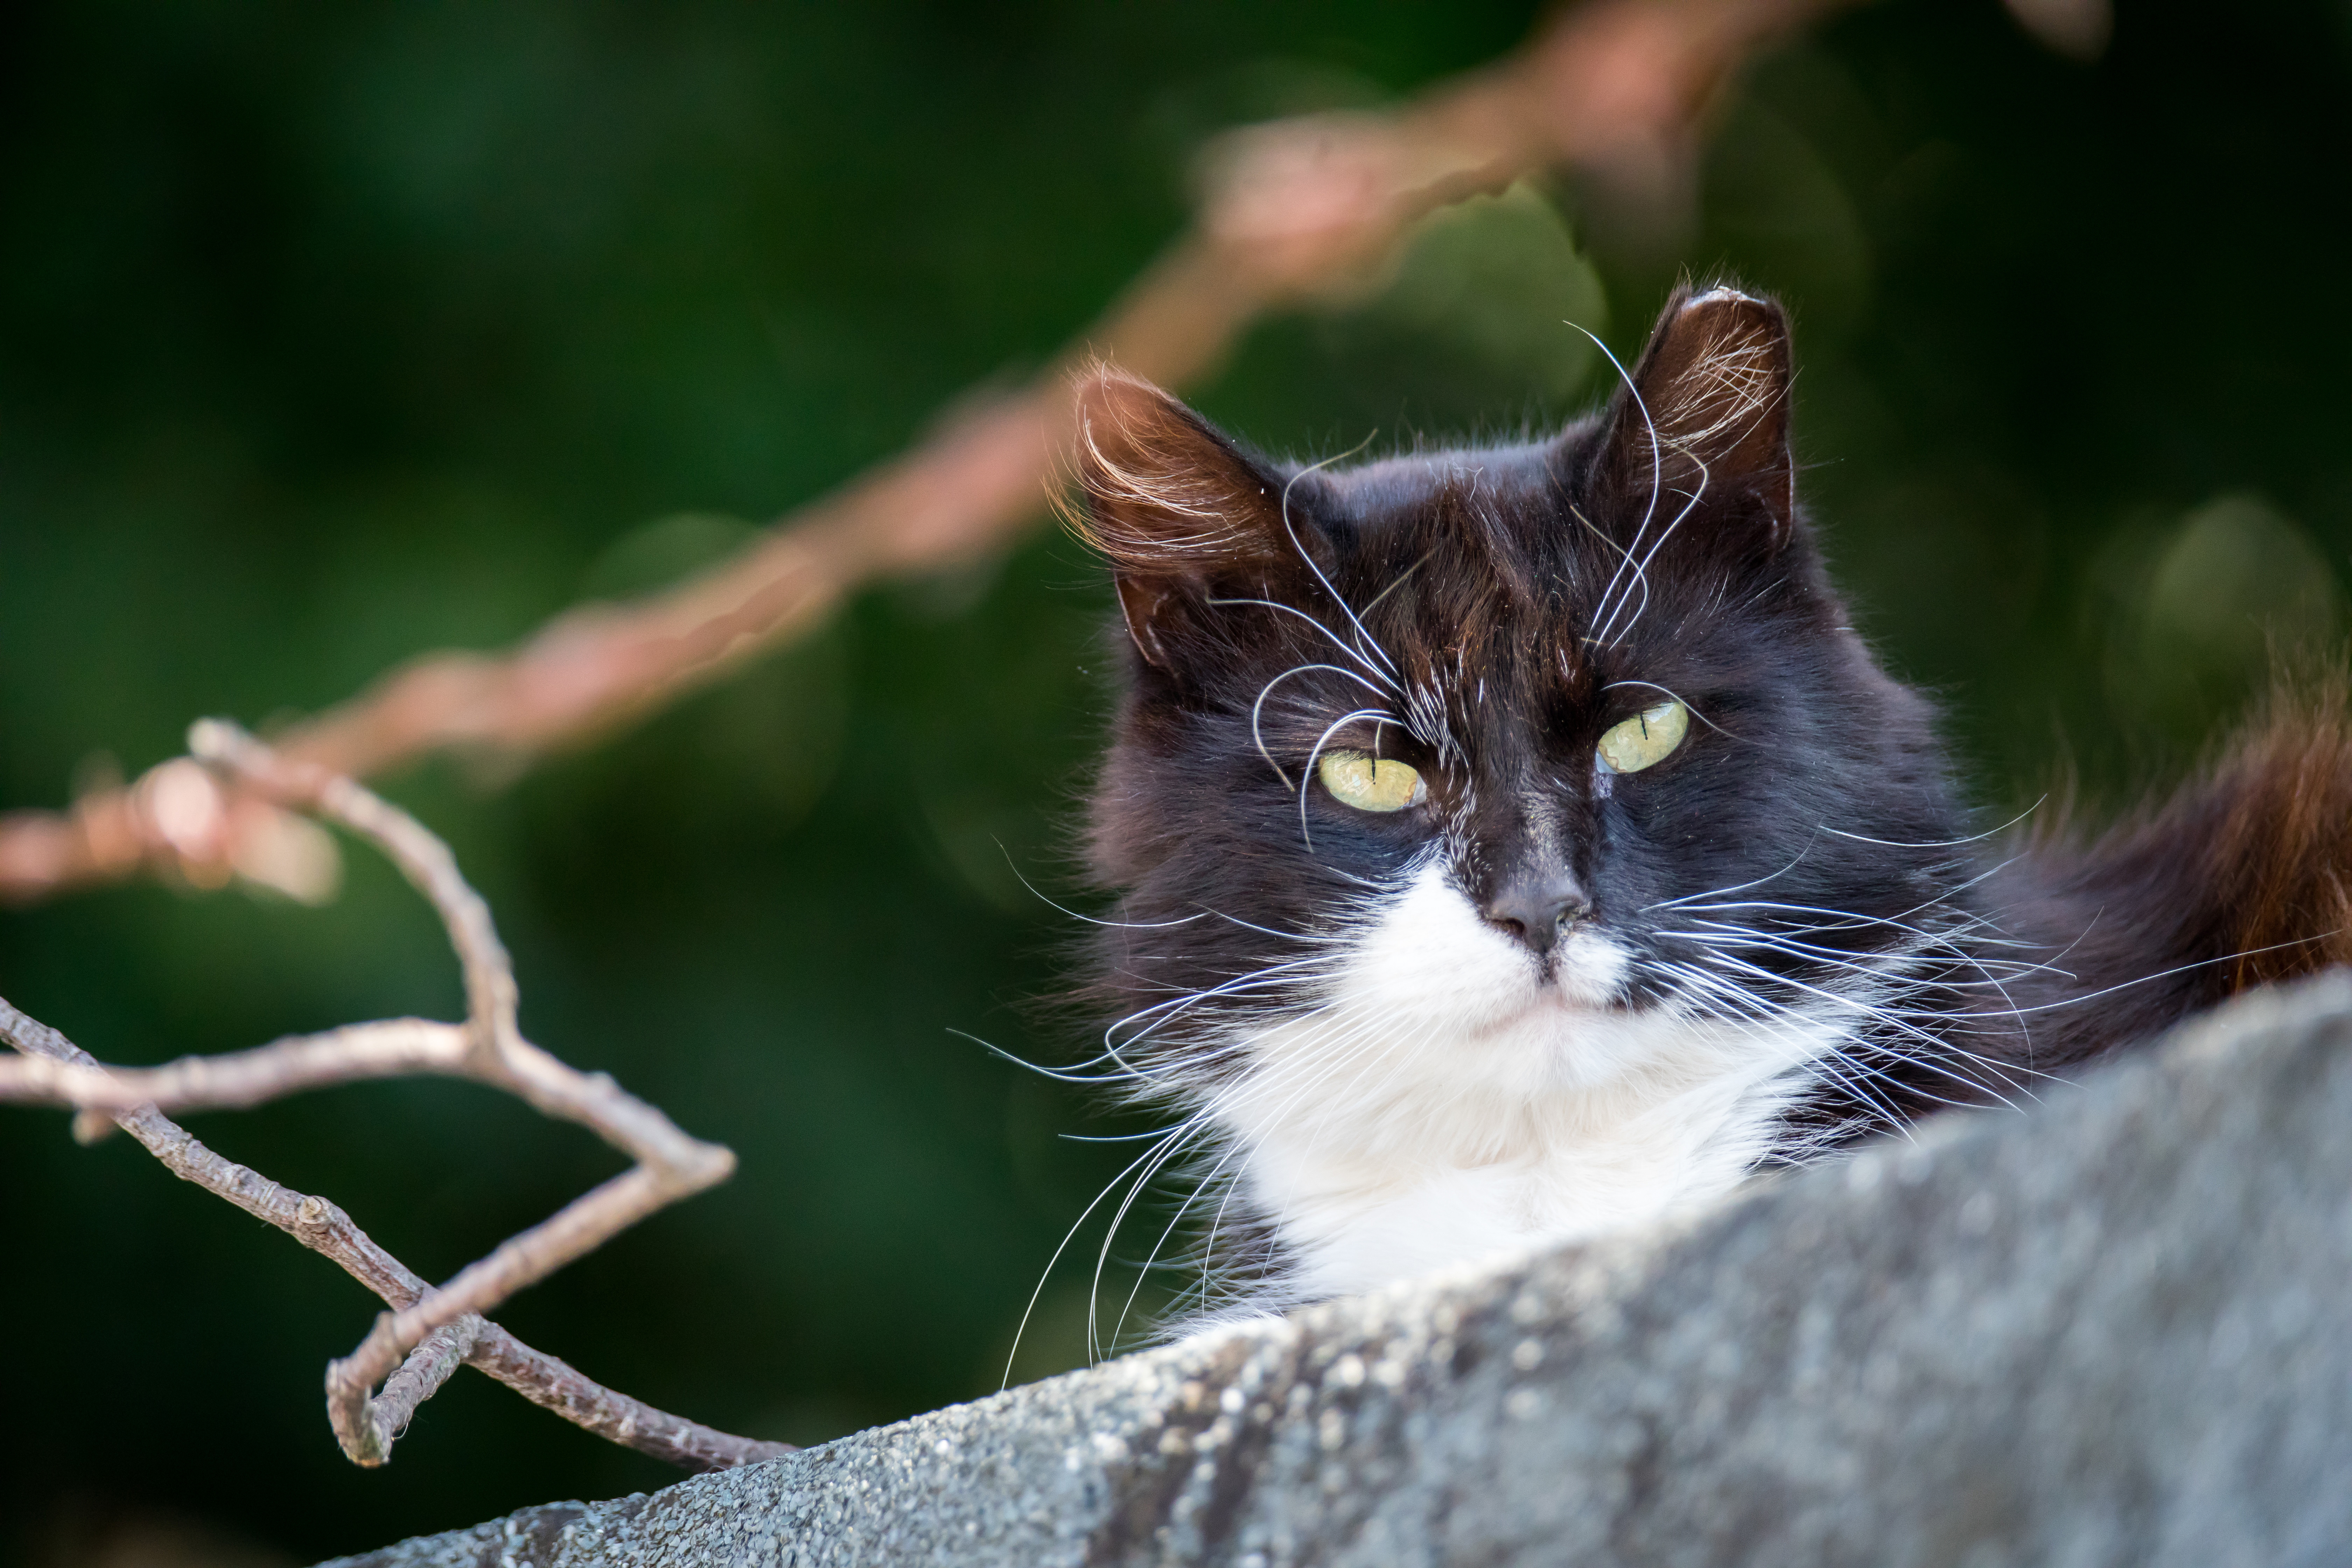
{"points": [[1481, 743]]}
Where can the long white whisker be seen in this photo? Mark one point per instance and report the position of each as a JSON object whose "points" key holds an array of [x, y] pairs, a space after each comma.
{"points": [[1370, 641], [1687, 708], [1337, 641], [1657, 455], [1943, 842], [1341, 723], [1650, 554], [1257, 708], [1120, 925], [1735, 887], [1067, 1237]]}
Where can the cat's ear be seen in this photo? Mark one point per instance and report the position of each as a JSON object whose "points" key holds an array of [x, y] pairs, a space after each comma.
{"points": [[1708, 414], [1174, 504]]}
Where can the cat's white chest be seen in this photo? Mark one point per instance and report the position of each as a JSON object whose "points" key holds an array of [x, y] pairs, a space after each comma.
{"points": [[1444, 1105], [1353, 1217]]}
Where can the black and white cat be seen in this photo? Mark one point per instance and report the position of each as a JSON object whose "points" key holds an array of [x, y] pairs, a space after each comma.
{"points": [[1514, 844]]}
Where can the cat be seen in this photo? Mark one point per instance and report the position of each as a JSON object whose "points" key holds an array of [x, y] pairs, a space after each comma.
{"points": [[1517, 844]]}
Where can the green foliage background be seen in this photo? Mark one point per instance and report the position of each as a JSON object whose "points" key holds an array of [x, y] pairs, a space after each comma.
{"points": [[329, 334]]}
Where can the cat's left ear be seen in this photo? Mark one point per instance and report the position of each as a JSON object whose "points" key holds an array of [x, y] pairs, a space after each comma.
{"points": [[1708, 414], [1177, 508]]}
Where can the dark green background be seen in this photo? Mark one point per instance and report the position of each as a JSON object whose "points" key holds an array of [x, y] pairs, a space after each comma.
{"points": [[329, 334]]}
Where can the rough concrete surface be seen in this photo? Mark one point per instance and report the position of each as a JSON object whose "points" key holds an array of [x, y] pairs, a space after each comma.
{"points": [[2109, 1331]]}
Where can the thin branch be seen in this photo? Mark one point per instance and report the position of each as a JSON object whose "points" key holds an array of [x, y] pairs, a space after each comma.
{"points": [[323, 1227], [394, 1047], [367, 1428], [1290, 211], [411, 1349]]}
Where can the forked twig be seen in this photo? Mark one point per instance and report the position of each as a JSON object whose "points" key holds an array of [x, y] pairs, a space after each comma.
{"points": [[414, 1348]]}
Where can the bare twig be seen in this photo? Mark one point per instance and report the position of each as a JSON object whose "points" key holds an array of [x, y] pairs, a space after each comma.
{"points": [[1290, 210], [411, 1349], [394, 1047], [327, 1230]]}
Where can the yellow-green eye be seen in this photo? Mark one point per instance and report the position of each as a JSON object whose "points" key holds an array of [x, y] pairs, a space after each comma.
{"points": [[1649, 736], [1370, 783]]}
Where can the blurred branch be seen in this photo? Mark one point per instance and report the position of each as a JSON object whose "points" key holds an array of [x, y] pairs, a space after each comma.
{"points": [[1290, 210], [413, 1349], [2078, 29]]}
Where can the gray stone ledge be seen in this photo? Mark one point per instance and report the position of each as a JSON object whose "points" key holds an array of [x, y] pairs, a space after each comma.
{"points": [[2110, 1330]]}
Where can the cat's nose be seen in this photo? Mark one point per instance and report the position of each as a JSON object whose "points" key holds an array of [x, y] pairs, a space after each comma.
{"points": [[1537, 909]]}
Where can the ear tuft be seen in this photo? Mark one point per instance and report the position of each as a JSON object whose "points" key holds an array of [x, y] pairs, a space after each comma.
{"points": [[1714, 382], [1165, 493], [1722, 366], [1168, 501]]}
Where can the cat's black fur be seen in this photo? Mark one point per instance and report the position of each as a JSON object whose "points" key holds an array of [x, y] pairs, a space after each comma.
{"points": [[1485, 615]]}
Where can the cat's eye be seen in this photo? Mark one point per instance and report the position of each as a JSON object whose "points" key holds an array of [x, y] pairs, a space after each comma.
{"points": [[1647, 738], [1370, 783]]}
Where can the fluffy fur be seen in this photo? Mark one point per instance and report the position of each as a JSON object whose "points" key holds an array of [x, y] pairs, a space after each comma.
{"points": [[1782, 939]]}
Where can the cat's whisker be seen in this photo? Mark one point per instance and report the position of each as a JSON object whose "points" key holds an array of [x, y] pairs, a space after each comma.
{"points": [[1234, 1147], [1869, 1010], [1257, 709], [1060, 1075], [2009, 971], [1272, 975], [1068, 1236], [1689, 506], [1268, 931], [1813, 953], [1849, 919], [2317, 939], [1311, 1074], [1657, 453], [1204, 1250], [1626, 559], [1896, 1057], [1763, 1010], [1945, 943], [1341, 723], [1677, 696], [1878, 1012], [1014, 868], [1387, 678], [1290, 528], [1940, 843], [1857, 1084], [1398, 580], [1735, 887], [2015, 1076], [1158, 1158]]}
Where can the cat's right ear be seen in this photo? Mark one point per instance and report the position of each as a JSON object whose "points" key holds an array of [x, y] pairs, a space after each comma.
{"points": [[1704, 417], [1173, 504]]}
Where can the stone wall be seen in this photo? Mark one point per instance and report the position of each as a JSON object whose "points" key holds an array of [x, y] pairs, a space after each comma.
{"points": [[2109, 1331]]}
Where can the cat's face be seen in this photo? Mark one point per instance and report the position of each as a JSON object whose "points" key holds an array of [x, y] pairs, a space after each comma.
{"points": [[1487, 746]]}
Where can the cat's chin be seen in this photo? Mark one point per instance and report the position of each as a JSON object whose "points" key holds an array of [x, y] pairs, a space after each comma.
{"points": [[1588, 978], [1440, 990]]}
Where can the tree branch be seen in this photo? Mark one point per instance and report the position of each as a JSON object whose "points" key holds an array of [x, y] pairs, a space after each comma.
{"points": [[413, 1349], [1290, 210], [319, 1225]]}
